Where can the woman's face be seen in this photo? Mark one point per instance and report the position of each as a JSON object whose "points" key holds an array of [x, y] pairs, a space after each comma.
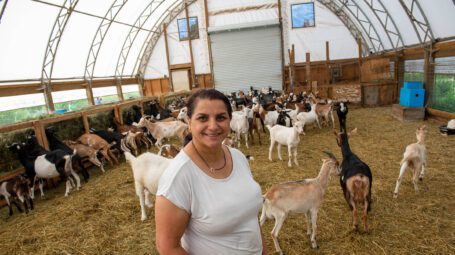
{"points": [[210, 123]]}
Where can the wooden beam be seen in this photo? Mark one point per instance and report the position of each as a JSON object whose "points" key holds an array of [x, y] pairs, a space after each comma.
{"points": [[86, 123], [428, 71], [190, 46], [283, 62], [327, 62], [440, 114], [209, 43], [180, 66], [308, 70], [118, 86], [171, 86]]}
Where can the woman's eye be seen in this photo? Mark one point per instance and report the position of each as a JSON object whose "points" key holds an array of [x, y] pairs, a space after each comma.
{"points": [[202, 118], [221, 118]]}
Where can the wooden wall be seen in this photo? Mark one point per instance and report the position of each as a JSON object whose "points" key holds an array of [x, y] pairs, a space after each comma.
{"points": [[159, 87]]}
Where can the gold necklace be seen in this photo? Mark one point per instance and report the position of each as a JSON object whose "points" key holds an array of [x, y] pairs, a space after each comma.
{"points": [[212, 170]]}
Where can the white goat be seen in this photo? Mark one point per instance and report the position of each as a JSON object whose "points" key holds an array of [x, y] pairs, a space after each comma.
{"points": [[240, 125], [451, 124], [304, 196], [147, 170], [414, 157], [286, 136], [309, 117]]}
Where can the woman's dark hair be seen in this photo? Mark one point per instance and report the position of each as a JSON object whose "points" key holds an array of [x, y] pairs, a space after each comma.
{"points": [[211, 94]]}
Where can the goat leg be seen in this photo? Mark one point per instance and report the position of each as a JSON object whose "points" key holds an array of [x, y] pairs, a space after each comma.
{"points": [[365, 211]]}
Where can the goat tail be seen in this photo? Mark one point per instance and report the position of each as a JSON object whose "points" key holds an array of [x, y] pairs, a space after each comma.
{"points": [[68, 164], [360, 187], [266, 210]]}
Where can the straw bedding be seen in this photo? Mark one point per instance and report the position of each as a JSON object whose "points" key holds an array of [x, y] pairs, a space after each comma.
{"points": [[104, 217]]}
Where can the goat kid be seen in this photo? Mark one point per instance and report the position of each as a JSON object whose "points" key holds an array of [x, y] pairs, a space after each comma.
{"points": [[305, 196], [286, 136], [415, 158], [147, 170], [18, 187]]}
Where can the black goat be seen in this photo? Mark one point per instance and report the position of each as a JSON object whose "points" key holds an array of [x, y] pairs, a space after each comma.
{"points": [[355, 179], [56, 144]]}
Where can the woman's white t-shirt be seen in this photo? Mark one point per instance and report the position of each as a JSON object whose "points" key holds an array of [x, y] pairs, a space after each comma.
{"points": [[223, 212]]}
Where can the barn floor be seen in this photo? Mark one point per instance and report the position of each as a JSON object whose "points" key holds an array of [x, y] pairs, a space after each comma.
{"points": [[104, 217]]}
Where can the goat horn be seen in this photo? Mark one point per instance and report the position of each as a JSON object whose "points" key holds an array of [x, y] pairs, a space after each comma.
{"points": [[330, 154]]}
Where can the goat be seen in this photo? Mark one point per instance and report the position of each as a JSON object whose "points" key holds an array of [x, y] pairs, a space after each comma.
{"points": [[98, 143], [40, 163], [356, 178], [168, 151], [147, 170], [111, 136], [18, 187], [85, 151], [240, 125], [286, 136], [325, 112], [414, 157], [305, 196], [161, 130], [309, 117], [55, 143]]}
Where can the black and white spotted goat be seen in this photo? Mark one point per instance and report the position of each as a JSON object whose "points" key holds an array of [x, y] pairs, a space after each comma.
{"points": [[42, 164]]}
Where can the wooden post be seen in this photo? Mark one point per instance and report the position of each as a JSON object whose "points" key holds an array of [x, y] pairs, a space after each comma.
{"points": [[359, 44], [400, 72], [118, 85], [89, 93], [40, 134], [283, 64], [362, 92], [171, 86], [209, 43], [193, 72], [86, 123], [48, 97], [291, 53], [428, 72], [308, 70], [327, 62]]}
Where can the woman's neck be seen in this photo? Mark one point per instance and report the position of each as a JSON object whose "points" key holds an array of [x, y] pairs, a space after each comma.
{"points": [[211, 155]]}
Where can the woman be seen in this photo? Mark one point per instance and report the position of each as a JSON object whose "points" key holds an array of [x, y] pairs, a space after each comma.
{"points": [[207, 200]]}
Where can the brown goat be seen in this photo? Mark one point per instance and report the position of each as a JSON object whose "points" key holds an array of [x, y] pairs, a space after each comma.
{"points": [[98, 143]]}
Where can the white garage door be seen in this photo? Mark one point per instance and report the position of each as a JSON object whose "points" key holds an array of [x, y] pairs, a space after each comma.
{"points": [[247, 57]]}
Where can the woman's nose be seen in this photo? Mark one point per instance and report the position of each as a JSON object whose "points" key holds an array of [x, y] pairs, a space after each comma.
{"points": [[212, 124]]}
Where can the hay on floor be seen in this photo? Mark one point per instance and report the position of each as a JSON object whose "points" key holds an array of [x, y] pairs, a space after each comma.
{"points": [[104, 217]]}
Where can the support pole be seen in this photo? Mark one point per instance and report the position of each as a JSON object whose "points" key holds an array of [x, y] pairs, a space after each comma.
{"points": [[308, 70], [171, 86], [327, 62], [193, 72]]}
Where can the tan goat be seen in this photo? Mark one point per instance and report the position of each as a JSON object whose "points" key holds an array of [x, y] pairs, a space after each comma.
{"points": [[304, 196], [414, 157], [98, 143]]}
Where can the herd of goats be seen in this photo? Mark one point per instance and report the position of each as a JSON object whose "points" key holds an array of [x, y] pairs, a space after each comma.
{"points": [[284, 115]]}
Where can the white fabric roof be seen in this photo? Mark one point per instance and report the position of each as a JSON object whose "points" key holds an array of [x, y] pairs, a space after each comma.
{"points": [[26, 26]]}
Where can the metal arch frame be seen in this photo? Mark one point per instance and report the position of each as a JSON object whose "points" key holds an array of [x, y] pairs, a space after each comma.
{"points": [[150, 43], [349, 24], [364, 21], [52, 48], [97, 41], [131, 37], [423, 25], [391, 31]]}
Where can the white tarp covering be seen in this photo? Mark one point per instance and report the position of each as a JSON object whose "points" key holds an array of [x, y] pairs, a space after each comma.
{"points": [[26, 25]]}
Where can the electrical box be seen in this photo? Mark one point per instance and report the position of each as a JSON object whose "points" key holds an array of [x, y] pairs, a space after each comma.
{"points": [[413, 85]]}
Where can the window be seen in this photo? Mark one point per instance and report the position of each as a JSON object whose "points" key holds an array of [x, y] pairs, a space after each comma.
{"points": [[302, 15], [194, 29]]}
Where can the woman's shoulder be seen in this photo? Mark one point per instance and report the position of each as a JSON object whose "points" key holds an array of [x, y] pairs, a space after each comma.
{"points": [[177, 164], [237, 154]]}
